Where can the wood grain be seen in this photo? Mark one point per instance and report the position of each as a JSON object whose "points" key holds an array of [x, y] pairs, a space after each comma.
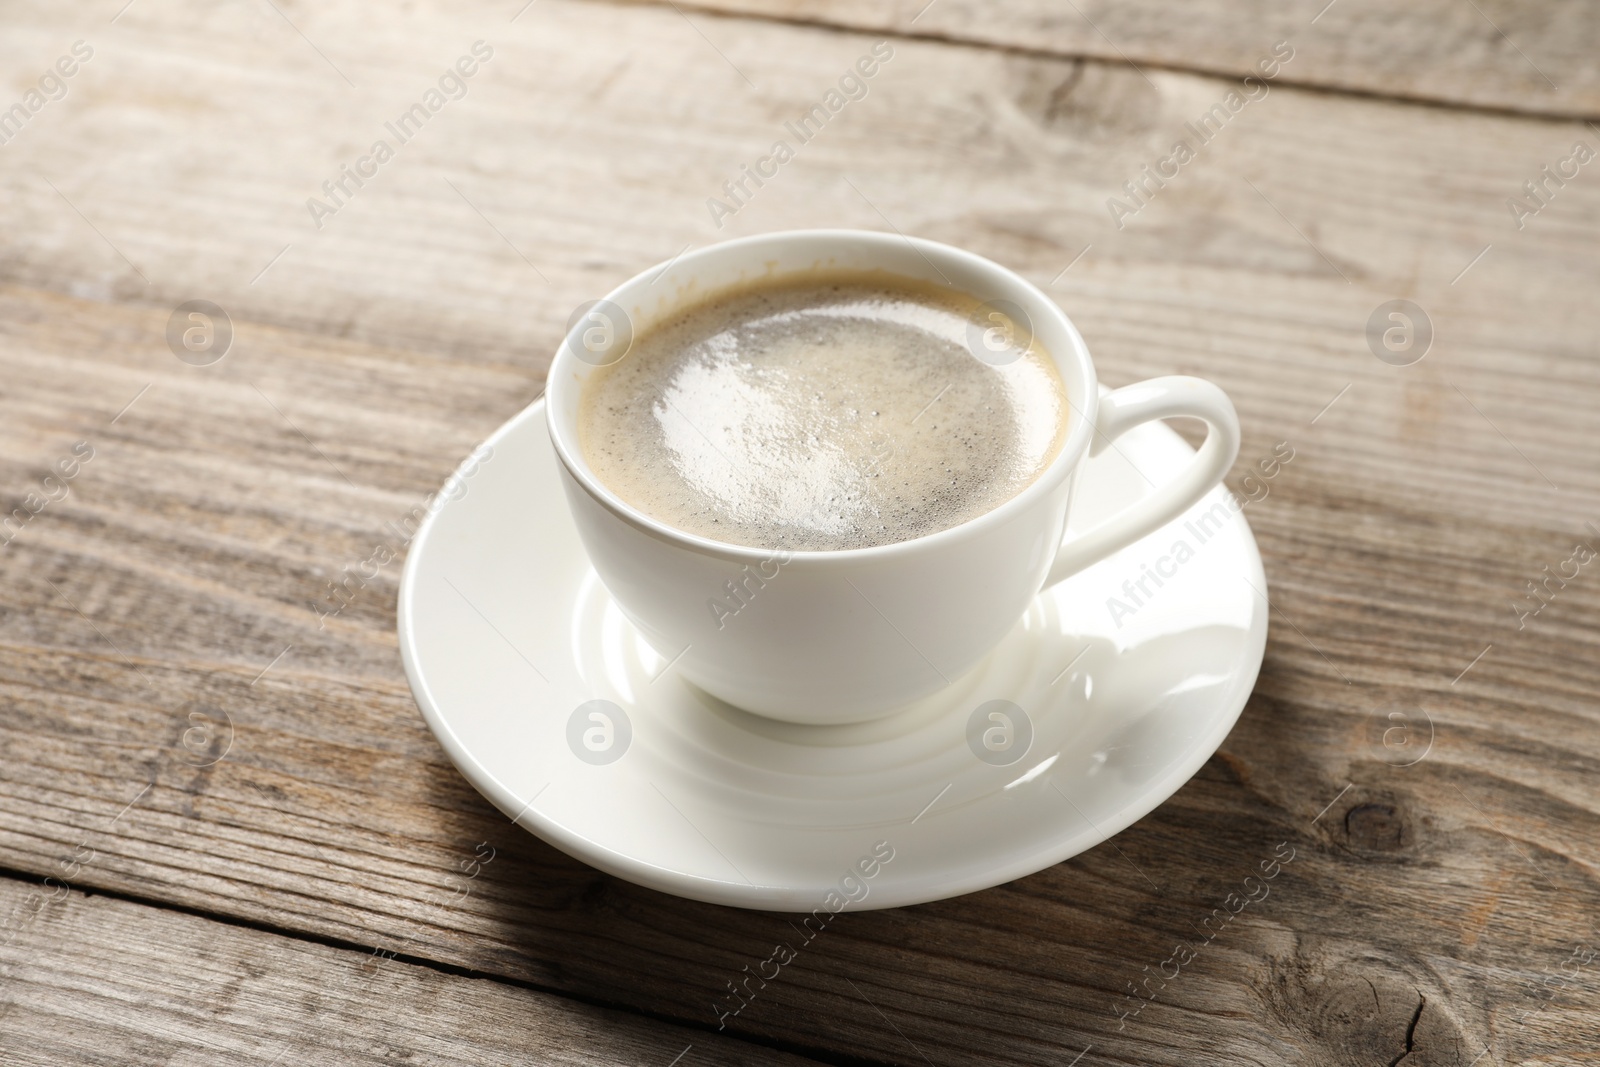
{"points": [[92, 980], [141, 610], [1537, 58]]}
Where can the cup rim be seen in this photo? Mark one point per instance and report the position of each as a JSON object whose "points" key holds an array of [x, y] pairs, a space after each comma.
{"points": [[1075, 367]]}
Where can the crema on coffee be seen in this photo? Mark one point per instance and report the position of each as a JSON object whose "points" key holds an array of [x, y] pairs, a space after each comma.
{"points": [[823, 411]]}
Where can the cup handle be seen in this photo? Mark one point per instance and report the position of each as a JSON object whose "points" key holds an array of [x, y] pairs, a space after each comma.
{"points": [[1121, 411]]}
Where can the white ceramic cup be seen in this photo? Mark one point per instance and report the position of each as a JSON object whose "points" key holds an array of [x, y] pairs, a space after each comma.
{"points": [[851, 635]]}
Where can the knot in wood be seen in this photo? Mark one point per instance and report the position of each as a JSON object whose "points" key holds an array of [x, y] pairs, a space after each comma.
{"points": [[1377, 827]]}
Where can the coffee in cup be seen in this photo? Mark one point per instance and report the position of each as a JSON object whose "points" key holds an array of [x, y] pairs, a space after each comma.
{"points": [[825, 410]]}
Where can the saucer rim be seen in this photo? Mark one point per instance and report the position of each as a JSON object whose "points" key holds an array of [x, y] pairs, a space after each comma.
{"points": [[727, 892]]}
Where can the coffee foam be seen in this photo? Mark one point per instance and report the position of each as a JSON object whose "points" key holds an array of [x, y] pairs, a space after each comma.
{"points": [[827, 411]]}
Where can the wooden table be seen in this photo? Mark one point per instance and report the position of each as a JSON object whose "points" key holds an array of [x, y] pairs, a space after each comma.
{"points": [[226, 835]]}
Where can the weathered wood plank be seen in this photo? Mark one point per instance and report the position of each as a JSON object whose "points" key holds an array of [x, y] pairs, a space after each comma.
{"points": [[333, 811], [94, 980], [377, 351], [1530, 57], [639, 122]]}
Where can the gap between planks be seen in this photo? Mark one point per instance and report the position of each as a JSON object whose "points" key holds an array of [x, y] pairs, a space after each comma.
{"points": [[1286, 81], [818, 1055]]}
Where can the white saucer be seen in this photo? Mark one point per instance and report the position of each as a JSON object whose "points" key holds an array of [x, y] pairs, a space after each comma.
{"points": [[506, 631]]}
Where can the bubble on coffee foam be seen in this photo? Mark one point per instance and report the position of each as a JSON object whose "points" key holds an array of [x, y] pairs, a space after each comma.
{"points": [[763, 419]]}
